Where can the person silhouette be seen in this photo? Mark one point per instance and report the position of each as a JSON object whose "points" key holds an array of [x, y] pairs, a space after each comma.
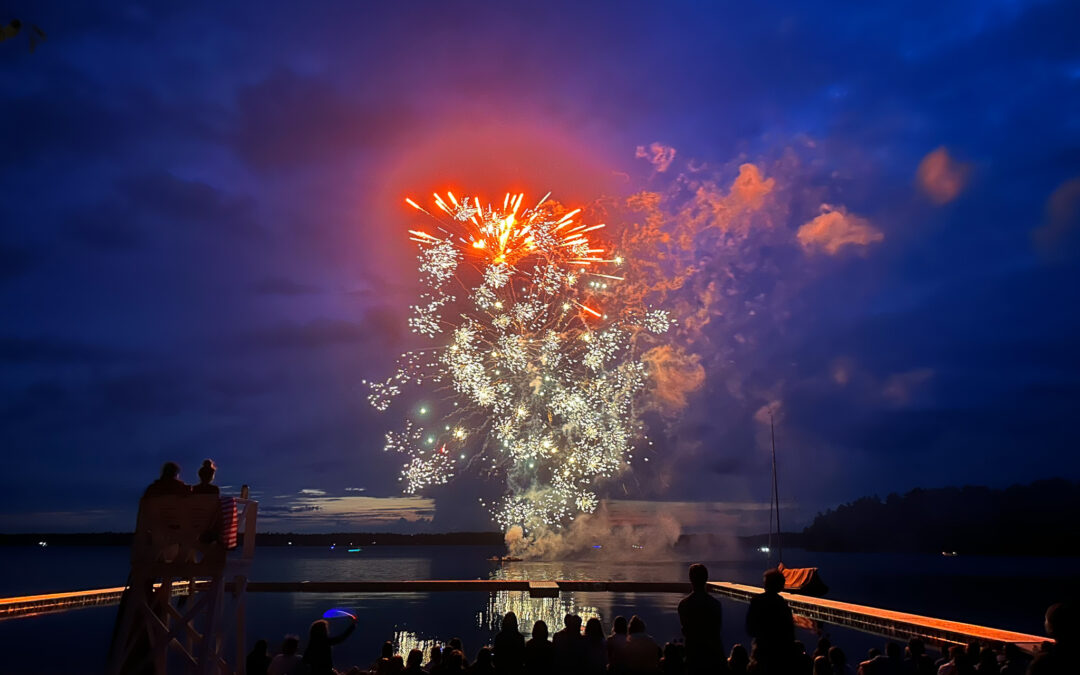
{"points": [[568, 645], [539, 652], [258, 659], [739, 660], [769, 622], [1062, 624], [206, 477], [414, 662], [701, 617], [482, 665], [642, 652], [616, 645], [594, 648], [288, 662], [318, 655], [168, 484], [509, 646]]}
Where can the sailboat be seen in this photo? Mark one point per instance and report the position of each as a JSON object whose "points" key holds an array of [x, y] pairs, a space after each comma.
{"points": [[801, 580]]}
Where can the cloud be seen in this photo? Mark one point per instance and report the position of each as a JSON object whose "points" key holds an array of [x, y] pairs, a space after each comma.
{"points": [[69, 114], [111, 226], [941, 177], [314, 334], [314, 511], [841, 371], [79, 520], [271, 510], [282, 286], [355, 489], [14, 261], [750, 188], [834, 229], [41, 401], [312, 492], [900, 388], [288, 120], [163, 392], [675, 374], [1058, 235], [53, 350], [659, 155], [771, 412], [142, 203], [190, 202]]}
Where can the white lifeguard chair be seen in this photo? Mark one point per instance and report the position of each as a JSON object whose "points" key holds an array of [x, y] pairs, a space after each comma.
{"points": [[183, 548]]}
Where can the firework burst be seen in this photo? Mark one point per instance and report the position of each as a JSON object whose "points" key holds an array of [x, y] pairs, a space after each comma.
{"points": [[535, 358]]}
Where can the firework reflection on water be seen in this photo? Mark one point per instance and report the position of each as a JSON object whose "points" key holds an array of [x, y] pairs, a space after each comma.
{"points": [[530, 610]]}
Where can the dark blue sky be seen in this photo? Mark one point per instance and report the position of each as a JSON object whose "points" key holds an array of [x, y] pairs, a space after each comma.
{"points": [[201, 248]]}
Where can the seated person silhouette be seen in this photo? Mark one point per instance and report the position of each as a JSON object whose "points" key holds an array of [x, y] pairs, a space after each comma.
{"points": [[206, 477], [168, 484]]}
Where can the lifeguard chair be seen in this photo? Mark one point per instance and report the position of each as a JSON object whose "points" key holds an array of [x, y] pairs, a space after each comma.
{"points": [[185, 547]]}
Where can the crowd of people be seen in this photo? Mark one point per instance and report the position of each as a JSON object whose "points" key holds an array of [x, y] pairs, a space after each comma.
{"points": [[629, 649]]}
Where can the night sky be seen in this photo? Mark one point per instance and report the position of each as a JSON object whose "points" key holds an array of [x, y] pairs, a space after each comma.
{"points": [[202, 247]]}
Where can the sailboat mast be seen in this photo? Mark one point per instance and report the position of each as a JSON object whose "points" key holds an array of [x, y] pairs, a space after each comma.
{"points": [[776, 492]]}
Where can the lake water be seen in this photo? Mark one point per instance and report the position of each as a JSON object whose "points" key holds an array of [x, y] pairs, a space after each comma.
{"points": [[1009, 593]]}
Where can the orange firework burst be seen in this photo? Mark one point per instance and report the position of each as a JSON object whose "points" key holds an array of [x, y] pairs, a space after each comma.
{"points": [[508, 235]]}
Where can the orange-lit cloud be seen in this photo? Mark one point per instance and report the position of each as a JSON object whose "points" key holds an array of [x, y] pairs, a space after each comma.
{"points": [[666, 236], [1061, 226], [841, 371], [492, 157], [714, 207], [772, 411], [901, 387], [659, 155], [675, 374], [834, 229], [941, 176]]}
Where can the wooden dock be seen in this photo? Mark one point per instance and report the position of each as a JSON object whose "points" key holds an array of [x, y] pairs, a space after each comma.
{"points": [[896, 625], [885, 622], [32, 605]]}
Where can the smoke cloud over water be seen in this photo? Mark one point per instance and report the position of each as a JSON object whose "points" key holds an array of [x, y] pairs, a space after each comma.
{"points": [[594, 534]]}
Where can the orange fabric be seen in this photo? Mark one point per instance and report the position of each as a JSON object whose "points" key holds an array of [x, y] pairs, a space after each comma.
{"points": [[796, 578]]}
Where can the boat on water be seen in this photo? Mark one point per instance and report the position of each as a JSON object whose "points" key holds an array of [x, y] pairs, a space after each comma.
{"points": [[800, 580]]}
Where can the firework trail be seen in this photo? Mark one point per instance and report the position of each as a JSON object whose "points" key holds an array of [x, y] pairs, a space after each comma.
{"points": [[535, 352]]}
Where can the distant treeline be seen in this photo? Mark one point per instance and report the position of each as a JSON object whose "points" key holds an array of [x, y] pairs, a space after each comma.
{"points": [[1037, 519], [359, 539]]}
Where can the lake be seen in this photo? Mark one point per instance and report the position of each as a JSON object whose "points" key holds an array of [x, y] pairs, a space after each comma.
{"points": [[1003, 592]]}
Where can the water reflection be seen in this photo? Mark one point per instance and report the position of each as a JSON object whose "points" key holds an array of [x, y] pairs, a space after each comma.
{"points": [[405, 641], [530, 610], [488, 618]]}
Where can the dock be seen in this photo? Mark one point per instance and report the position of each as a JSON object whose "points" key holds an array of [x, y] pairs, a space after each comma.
{"points": [[884, 622], [46, 603]]}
